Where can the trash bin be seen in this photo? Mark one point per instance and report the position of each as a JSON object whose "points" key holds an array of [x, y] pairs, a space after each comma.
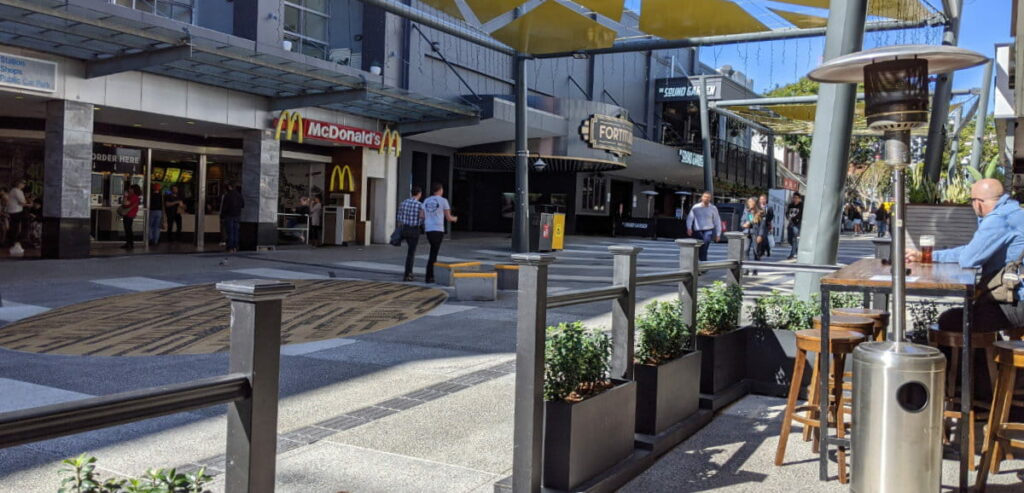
{"points": [[546, 232], [897, 418]]}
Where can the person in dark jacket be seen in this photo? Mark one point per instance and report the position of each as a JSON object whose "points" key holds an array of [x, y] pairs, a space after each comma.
{"points": [[881, 220], [231, 215], [794, 215]]}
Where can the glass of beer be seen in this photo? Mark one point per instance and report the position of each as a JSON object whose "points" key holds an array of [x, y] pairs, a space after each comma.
{"points": [[927, 245]]}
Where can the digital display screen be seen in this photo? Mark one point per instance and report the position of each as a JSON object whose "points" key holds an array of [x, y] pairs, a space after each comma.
{"points": [[158, 174], [172, 175], [186, 176]]}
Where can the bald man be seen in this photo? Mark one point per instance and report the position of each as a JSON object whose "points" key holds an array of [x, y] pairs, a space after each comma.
{"points": [[998, 241]]}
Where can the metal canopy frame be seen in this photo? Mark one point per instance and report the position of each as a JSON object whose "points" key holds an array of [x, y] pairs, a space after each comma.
{"points": [[112, 39]]}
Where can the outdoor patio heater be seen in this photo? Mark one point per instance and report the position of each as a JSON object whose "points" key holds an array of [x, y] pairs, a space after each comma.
{"points": [[897, 403]]}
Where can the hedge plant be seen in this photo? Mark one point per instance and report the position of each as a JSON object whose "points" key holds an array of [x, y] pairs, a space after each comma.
{"points": [[662, 335], [577, 362], [79, 476], [784, 312], [718, 308]]}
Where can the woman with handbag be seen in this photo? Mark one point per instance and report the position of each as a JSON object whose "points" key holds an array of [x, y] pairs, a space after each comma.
{"points": [[128, 210]]}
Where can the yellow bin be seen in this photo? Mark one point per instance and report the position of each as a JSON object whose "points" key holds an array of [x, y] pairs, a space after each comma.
{"points": [[558, 238]]}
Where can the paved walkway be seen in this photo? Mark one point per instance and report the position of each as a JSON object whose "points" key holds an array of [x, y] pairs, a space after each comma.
{"points": [[422, 406]]}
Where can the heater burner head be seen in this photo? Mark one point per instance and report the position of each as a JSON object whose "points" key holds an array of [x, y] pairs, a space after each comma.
{"points": [[896, 94]]}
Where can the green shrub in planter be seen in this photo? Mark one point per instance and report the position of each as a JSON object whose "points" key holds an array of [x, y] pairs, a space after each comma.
{"points": [[577, 362], [718, 308], [80, 477], [662, 334], [784, 312]]}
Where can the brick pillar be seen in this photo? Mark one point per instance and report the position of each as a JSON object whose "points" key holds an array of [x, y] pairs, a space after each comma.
{"points": [[67, 178]]}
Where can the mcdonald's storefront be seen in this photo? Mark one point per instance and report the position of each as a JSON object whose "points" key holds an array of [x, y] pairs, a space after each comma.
{"points": [[344, 166]]}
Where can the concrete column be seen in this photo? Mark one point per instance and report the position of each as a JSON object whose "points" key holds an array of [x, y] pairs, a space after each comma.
{"points": [[261, 169], [67, 178], [943, 93], [260, 21], [819, 237], [624, 310]]}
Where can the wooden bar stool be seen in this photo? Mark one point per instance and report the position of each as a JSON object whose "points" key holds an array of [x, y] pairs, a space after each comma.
{"points": [[850, 323], [841, 344], [879, 317], [954, 340], [1002, 435]]}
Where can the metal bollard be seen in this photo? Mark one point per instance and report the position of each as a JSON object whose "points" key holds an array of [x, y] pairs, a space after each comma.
{"points": [[623, 310], [255, 351]]}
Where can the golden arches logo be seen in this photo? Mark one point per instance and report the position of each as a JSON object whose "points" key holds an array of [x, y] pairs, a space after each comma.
{"points": [[391, 142], [293, 120], [337, 183]]}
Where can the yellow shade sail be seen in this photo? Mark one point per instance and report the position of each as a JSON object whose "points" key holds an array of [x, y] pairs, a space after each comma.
{"points": [[487, 10], [798, 119], [904, 10], [674, 19], [611, 9], [553, 28], [447, 6], [803, 21]]}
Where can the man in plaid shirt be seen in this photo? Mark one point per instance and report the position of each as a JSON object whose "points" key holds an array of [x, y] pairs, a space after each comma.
{"points": [[410, 217]]}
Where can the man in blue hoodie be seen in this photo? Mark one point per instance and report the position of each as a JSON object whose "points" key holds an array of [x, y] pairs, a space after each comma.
{"points": [[998, 241]]}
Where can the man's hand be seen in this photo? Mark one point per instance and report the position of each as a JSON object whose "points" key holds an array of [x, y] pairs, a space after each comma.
{"points": [[912, 255], [716, 239], [455, 219], [689, 232]]}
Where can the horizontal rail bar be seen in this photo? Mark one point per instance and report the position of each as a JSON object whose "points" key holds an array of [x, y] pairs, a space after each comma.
{"points": [[69, 418], [663, 277], [585, 296], [719, 265], [770, 266]]}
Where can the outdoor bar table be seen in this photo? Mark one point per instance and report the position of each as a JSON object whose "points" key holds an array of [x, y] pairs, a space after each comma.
{"points": [[871, 276]]}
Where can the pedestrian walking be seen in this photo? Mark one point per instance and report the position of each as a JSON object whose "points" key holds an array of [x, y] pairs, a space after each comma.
{"points": [[436, 211], [128, 210], [15, 208], [174, 207], [881, 220], [231, 215], [704, 223], [410, 220], [768, 218], [794, 215], [316, 217], [156, 214], [749, 213]]}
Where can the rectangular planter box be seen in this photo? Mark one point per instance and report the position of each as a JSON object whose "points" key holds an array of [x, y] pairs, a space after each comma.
{"points": [[667, 393], [770, 357], [723, 361], [584, 439]]}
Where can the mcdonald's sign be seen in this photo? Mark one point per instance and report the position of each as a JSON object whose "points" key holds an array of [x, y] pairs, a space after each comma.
{"points": [[292, 121], [391, 142], [338, 184]]}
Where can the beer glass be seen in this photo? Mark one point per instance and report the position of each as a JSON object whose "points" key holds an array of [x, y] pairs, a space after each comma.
{"points": [[927, 245]]}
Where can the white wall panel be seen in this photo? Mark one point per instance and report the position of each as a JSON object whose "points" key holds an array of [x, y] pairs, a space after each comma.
{"points": [[164, 95], [124, 90], [207, 103]]}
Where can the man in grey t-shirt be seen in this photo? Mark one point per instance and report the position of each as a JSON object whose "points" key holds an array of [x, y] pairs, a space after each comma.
{"points": [[436, 211]]}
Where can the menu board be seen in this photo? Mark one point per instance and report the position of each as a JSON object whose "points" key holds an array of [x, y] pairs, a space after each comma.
{"points": [[186, 176], [158, 174], [172, 175]]}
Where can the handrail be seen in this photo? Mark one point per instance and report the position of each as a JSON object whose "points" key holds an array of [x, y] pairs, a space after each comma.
{"points": [[663, 277], [585, 296], [718, 265], [772, 266], [68, 418]]}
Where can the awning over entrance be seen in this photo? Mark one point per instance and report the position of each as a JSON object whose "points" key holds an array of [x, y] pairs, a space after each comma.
{"points": [[111, 39]]}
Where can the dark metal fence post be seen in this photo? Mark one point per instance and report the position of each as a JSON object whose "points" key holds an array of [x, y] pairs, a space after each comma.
{"points": [[624, 310], [735, 274], [531, 322], [256, 352], [689, 260]]}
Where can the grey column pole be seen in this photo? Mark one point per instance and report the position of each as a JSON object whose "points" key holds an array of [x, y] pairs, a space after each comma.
{"points": [[736, 240], [261, 171], [883, 250], [201, 205], [531, 322], [773, 178], [67, 179], [689, 255], [954, 143], [521, 223], [819, 236], [982, 116], [624, 310], [705, 137], [943, 93], [256, 352]]}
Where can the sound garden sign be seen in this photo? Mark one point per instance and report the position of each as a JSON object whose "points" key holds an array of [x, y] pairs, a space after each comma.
{"points": [[611, 134]]}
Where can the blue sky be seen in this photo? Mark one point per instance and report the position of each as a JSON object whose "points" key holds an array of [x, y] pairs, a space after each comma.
{"points": [[984, 23]]}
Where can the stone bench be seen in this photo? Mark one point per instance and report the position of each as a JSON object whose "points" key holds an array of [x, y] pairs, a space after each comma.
{"points": [[476, 286], [508, 277], [443, 271]]}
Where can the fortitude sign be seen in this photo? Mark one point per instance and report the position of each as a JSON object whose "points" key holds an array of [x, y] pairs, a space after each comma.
{"points": [[614, 135], [292, 124], [28, 73]]}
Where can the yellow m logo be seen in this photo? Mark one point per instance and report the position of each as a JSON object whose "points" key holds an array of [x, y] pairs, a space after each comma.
{"points": [[337, 183], [293, 120], [391, 142]]}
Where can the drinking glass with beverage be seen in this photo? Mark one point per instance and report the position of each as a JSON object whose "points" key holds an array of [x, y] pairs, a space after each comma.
{"points": [[927, 246]]}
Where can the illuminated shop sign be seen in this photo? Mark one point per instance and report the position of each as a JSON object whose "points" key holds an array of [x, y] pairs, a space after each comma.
{"points": [[294, 127], [611, 134]]}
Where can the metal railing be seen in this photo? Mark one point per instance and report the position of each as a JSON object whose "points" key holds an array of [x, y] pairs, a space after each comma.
{"points": [[250, 389], [293, 227]]}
